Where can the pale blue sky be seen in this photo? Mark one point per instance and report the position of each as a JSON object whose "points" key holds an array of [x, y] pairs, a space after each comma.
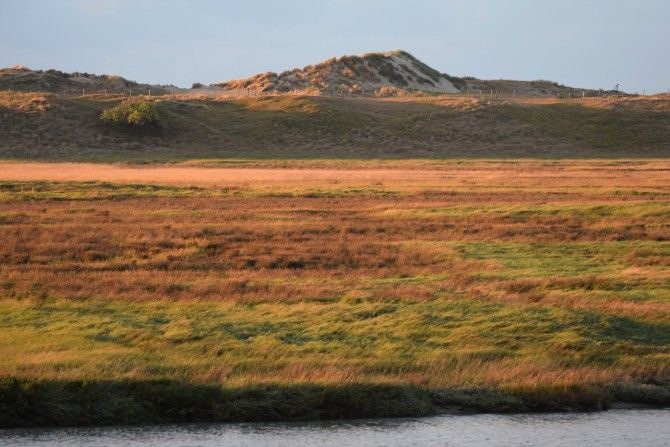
{"points": [[585, 43]]}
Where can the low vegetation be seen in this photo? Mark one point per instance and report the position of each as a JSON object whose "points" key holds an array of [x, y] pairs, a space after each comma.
{"points": [[282, 291], [51, 127]]}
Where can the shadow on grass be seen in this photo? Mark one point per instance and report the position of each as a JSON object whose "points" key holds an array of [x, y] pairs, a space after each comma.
{"points": [[69, 403]]}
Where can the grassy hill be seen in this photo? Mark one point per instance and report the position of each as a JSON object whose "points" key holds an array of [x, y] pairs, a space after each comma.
{"points": [[377, 74], [24, 79], [53, 127]]}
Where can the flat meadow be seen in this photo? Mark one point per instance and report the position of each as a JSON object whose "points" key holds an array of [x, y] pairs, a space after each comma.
{"points": [[331, 288]]}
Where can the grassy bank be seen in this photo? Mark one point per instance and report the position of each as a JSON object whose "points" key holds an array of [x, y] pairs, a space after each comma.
{"points": [[49, 127], [308, 293]]}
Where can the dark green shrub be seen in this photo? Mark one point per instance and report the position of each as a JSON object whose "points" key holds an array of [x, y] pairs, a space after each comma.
{"points": [[137, 114]]}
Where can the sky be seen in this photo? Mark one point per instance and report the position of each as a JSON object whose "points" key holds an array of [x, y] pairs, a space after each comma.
{"points": [[582, 43]]}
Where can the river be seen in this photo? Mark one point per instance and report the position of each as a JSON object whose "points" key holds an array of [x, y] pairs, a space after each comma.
{"points": [[612, 428]]}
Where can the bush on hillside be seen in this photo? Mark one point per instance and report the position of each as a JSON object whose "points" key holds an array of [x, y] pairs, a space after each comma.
{"points": [[388, 92], [139, 114]]}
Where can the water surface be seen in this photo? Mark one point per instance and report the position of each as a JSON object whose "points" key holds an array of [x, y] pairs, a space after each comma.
{"points": [[612, 428]]}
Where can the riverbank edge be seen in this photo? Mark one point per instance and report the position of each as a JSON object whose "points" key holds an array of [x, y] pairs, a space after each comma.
{"points": [[45, 403]]}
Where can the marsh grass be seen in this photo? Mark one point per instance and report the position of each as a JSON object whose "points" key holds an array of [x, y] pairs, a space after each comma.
{"points": [[61, 191], [516, 286]]}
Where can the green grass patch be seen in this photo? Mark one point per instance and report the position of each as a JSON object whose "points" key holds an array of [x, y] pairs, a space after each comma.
{"points": [[555, 259], [118, 363], [93, 340], [47, 190]]}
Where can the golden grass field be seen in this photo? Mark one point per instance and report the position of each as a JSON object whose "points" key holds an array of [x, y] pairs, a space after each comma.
{"points": [[520, 284]]}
